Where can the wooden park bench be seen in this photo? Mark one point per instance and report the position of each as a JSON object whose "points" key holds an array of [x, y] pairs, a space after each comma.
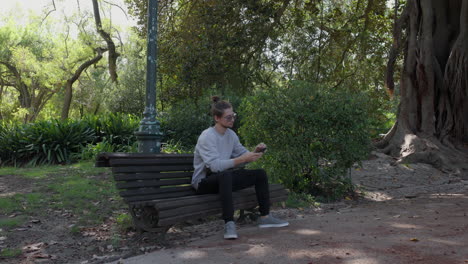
{"points": [[157, 189]]}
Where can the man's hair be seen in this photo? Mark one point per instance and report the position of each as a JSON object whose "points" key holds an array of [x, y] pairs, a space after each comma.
{"points": [[218, 106]]}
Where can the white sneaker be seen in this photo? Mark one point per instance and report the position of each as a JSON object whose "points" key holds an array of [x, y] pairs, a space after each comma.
{"points": [[230, 230], [271, 221]]}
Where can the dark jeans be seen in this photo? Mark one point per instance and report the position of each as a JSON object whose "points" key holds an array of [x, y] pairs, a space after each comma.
{"points": [[228, 181]]}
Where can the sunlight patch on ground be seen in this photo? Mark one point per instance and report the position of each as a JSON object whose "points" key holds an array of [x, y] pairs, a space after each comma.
{"points": [[8, 194], [447, 242], [362, 260], [448, 195], [307, 232], [333, 253], [406, 226], [377, 196], [193, 254], [258, 250]]}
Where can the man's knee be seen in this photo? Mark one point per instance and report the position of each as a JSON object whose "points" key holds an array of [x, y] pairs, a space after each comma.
{"points": [[261, 175], [225, 177]]}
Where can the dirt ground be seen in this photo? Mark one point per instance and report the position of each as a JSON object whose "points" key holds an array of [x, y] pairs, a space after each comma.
{"points": [[401, 206]]}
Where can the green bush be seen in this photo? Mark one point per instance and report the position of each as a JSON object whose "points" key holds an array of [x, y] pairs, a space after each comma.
{"points": [[54, 141], [313, 136], [115, 129], [185, 120], [43, 142]]}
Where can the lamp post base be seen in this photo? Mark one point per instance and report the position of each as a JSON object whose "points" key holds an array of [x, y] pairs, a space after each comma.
{"points": [[149, 138]]}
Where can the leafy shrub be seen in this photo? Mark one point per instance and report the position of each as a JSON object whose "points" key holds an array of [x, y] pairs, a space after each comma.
{"points": [[115, 129], [43, 142], [186, 119], [92, 150], [313, 136]]}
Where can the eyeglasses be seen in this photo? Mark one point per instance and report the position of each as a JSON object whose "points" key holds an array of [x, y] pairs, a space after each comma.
{"points": [[229, 118]]}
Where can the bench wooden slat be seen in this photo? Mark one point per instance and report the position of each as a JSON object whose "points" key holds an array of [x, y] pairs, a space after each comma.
{"points": [[153, 168], [149, 199], [239, 199], [198, 214], [149, 191], [151, 183], [174, 203], [146, 162], [148, 176]]}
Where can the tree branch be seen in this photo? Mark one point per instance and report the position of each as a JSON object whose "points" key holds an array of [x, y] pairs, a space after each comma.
{"points": [[396, 47], [50, 12], [113, 55]]}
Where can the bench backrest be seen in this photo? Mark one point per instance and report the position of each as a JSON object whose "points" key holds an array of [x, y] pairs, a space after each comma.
{"points": [[143, 177]]}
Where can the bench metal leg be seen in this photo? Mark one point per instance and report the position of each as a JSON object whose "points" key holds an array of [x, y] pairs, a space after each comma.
{"points": [[146, 219], [250, 213]]}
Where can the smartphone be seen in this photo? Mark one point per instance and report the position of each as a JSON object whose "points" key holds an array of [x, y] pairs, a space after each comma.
{"points": [[261, 150]]}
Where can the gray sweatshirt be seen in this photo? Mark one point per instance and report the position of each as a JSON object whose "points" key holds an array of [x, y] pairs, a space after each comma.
{"points": [[215, 152]]}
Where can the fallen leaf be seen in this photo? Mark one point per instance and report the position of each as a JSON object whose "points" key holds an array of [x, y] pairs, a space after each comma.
{"points": [[34, 247], [414, 239]]}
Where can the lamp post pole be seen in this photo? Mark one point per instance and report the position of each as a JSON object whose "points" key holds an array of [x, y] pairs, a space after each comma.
{"points": [[149, 133]]}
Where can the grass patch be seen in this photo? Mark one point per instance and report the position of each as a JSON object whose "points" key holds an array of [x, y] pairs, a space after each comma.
{"points": [[86, 196], [26, 203], [12, 222], [87, 167], [9, 205], [10, 252], [80, 188], [32, 172]]}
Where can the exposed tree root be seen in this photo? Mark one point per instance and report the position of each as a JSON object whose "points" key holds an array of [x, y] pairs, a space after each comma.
{"points": [[412, 148]]}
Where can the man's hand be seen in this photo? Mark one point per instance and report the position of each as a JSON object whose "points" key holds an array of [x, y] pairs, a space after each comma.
{"points": [[260, 148], [247, 157]]}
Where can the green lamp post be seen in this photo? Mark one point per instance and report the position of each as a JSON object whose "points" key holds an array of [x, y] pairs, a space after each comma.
{"points": [[149, 133]]}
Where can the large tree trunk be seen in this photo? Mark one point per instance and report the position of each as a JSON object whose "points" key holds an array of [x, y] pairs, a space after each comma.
{"points": [[432, 120]]}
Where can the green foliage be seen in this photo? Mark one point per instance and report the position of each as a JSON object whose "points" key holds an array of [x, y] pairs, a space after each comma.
{"points": [[10, 253], [60, 142], [128, 95], [124, 222], [92, 150], [114, 128], [43, 142], [313, 136], [300, 200], [174, 147], [185, 120]]}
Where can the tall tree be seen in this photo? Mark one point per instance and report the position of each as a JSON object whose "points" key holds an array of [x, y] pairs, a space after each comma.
{"points": [[27, 64], [216, 43], [432, 121]]}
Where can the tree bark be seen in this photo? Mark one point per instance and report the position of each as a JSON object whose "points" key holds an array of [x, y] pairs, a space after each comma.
{"points": [[432, 119], [113, 55], [69, 84]]}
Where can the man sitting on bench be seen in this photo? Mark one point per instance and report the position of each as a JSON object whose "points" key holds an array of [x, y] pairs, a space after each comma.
{"points": [[217, 153]]}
